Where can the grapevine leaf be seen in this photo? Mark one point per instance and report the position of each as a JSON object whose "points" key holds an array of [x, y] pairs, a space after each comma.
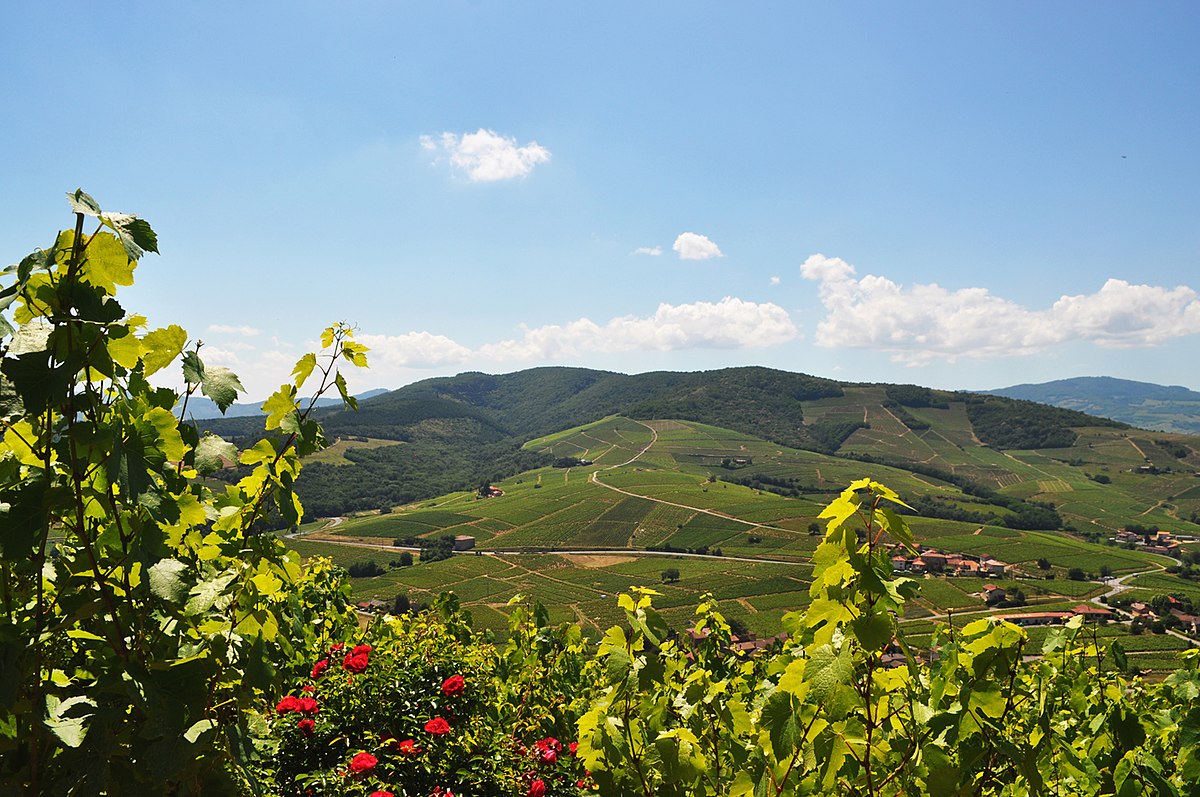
{"points": [[205, 594], [943, 775], [212, 453], [347, 399], [107, 264], [30, 338], [304, 368], [167, 580], [280, 404], [193, 368], [829, 669], [1119, 656], [82, 202], [135, 234], [67, 719], [221, 385], [162, 347], [784, 724], [198, 729], [874, 631]]}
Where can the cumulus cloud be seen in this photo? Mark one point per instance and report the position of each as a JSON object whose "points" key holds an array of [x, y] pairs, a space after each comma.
{"points": [[728, 324], [414, 350], [924, 322], [228, 329], [693, 246], [485, 156], [774, 280], [653, 251]]}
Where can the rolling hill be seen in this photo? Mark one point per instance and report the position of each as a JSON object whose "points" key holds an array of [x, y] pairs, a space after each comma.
{"points": [[443, 434]]}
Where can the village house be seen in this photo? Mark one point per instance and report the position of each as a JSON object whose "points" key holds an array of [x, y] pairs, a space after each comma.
{"points": [[464, 542], [992, 594], [934, 562], [967, 567], [1093, 614], [993, 567]]}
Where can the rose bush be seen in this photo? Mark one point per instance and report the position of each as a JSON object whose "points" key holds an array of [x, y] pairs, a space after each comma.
{"points": [[422, 705]]}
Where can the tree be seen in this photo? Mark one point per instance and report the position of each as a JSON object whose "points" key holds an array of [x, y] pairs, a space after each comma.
{"points": [[1105, 571], [406, 559], [142, 606], [670, 575], [1043, 563], [1076, 574]]}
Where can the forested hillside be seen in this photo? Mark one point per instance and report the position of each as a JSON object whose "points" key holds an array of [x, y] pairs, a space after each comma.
{"points": [[459, 432]]}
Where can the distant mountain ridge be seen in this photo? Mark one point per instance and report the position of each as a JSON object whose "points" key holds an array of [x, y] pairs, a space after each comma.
{"points": [[200, 408], [1143, 404]]}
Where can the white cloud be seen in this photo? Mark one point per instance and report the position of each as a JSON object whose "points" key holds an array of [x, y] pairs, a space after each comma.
{"points": [[485, 156], [924, 322], [653, 251], [774, 280], [693, 246], [227, 329], [728, 324], [414, 350], [219, 355]]}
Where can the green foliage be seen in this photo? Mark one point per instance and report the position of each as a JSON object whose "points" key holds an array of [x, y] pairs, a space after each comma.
{"points": [[916, 396], [141, 612]]}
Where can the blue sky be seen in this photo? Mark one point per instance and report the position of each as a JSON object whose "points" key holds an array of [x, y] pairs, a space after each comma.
{"points": [[956, 195]]}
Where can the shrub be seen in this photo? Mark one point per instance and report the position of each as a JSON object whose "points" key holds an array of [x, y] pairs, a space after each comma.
{"points": [[422, 705]]}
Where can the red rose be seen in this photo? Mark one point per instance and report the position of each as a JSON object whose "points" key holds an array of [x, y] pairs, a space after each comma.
{"points": [[453, 686], [549, 756], [382, 794], [306, 726], [307, 705], [407, 747], [537, 788], [363, 762], [437, 726], [573, 747], [335, 648], [289, 703], [355, 662], [319, 668]]}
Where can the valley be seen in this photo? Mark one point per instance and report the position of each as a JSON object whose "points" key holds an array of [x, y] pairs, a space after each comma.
{"points": [[689, 508]]}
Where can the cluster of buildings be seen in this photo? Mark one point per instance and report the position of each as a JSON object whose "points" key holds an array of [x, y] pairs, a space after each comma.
{"points": [[931, 560], [1160, 542], [747, 645], [1190, 622]]}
